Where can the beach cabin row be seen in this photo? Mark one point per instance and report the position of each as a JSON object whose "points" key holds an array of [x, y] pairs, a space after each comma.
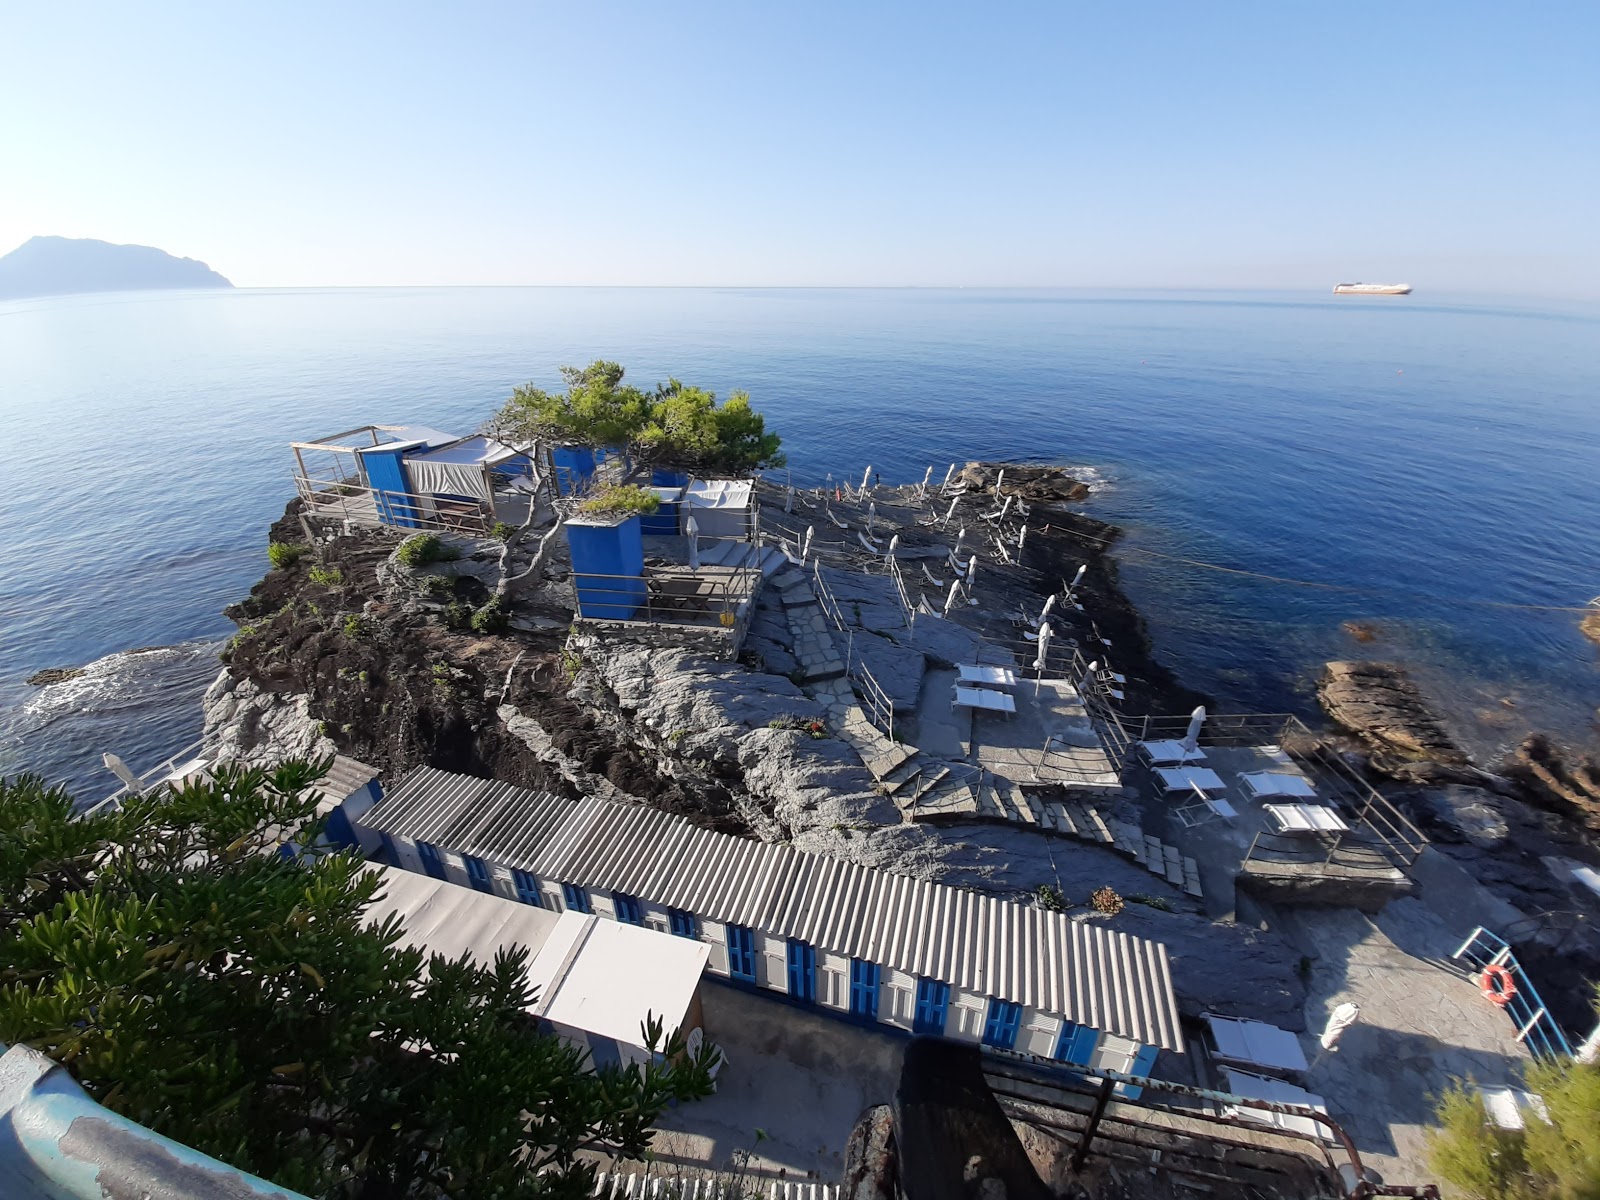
{"points": [[837, 936]]}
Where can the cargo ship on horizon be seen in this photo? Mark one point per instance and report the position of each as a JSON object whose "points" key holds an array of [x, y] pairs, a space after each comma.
{"points": [[1372, 289]]}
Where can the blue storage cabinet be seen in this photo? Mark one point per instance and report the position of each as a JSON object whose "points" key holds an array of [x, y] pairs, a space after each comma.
{"points": [[665, 519], [666, 477], [607, 567], [574, 467]]}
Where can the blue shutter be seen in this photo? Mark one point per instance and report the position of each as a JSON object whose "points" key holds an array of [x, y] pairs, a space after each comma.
{"points": [[577, 898], [741, 953], [1000, 1030], [933, 1004], [478, 873], [1076, 1044], [527, 888], [863, 988], [1142, 1062], [683, 923], [432, 860], [629, 910], [802, 971]]}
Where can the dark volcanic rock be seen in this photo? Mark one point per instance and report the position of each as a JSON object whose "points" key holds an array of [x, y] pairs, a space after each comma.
{"points": [[1044, 484], [54, 675], [1380, 704]]}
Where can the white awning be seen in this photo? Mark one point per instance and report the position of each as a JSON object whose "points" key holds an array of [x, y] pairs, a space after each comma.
{"points": [[459, 469]]}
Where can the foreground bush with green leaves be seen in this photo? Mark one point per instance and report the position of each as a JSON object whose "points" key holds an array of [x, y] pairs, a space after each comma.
{"points": [[199, 982], [1558, 1159]]}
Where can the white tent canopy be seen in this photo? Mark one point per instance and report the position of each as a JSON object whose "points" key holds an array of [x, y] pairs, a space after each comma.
{"points": [[721, 506], [459, 469]]}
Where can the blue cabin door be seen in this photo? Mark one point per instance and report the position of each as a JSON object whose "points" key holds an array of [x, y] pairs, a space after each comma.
{"points": [[863, 989], [933, 1004], [432, 860], [741, 953], [1000, 1030], [1142, 1062], [1076, 1044], [802, 971]]}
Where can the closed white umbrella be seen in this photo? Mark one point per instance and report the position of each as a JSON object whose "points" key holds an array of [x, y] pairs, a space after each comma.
{"points": [[1042, 662], [1090, 674], [691, 529], [972, 571], [1340, 1019], [1006, 507], [947, 476], [961, 535], [865, 478], [950, 513], [805, 542], [998, 480], [894, 544], [872, 515], [1191, 739], [1078, 578], [950, 597], [1049, 607], [1022, 536], [927, 476], [788, 500]]}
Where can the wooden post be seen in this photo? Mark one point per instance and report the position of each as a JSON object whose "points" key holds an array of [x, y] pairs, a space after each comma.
{"points": [[1081, 1154]]}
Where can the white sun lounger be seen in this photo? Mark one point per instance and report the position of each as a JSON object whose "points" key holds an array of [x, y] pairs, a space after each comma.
{"points": [[979, 673], [1171, 752], [1274, 1091], [1182, 779], [1261, 784], [1254, 1043], [984, 698], [1305, 818]]}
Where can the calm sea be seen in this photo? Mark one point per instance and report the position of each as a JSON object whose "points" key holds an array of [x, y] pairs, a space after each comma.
{"points": [[1437, 461]]}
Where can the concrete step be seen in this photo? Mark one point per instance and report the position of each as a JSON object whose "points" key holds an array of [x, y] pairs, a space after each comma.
{"points": [[901, 776], [926, 781], [1191, 878], [1061, 817]]}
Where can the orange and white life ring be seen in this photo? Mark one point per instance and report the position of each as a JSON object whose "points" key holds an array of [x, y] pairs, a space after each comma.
{"points": [[1498, 985]]}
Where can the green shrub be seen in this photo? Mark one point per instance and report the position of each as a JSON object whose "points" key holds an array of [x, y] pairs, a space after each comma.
{"points": [[492, 617], [620, 500], [1048, 897], [501, 531], [1159, 903], [356, 625], [437, 587], [420, 549], [286, 554], [326, 576], [1472, 1153], [458, 615]]}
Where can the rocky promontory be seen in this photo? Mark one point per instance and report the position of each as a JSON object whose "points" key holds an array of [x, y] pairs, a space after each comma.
{"points": [[1379, 703]]}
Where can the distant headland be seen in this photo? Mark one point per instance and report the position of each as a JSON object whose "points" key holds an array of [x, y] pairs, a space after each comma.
{"points": [[55, 266]]}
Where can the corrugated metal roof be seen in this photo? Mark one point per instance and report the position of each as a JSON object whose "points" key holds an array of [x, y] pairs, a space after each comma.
{"points": [[1082, 970], [1079, 969], [482, 817]]}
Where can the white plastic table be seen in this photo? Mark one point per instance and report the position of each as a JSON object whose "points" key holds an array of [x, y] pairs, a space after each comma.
{"points": [[1305, 818], [985, 698], [1182, 779], [993, 676]]}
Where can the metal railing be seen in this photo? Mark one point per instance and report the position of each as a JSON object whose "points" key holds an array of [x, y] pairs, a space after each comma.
{"points": [[1192, 1134], [343, 500], [157, 774], [710, 597], [875, 700], [1536, 1028]]}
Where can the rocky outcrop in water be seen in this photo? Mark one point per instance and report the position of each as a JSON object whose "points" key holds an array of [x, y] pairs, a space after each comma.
{"points": [[1033, 483], [1379, 703]]}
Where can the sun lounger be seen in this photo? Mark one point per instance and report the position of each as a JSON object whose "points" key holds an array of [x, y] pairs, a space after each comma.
{"points": [[1254, 1044], [1305, 818], [1181, 779], [1203, 808], [984, 698], [978, 673], [1168, 753], [1261, 784], [1274, 1091]]}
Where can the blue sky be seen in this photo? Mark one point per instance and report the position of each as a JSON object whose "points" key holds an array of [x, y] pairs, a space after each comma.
{"points": [[1453, 145]]}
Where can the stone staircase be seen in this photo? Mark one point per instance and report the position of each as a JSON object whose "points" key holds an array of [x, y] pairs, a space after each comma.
{"points": [[1159, 859]]}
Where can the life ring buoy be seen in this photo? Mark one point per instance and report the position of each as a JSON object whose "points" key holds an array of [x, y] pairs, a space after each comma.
{"points": [[1498, 985]]}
